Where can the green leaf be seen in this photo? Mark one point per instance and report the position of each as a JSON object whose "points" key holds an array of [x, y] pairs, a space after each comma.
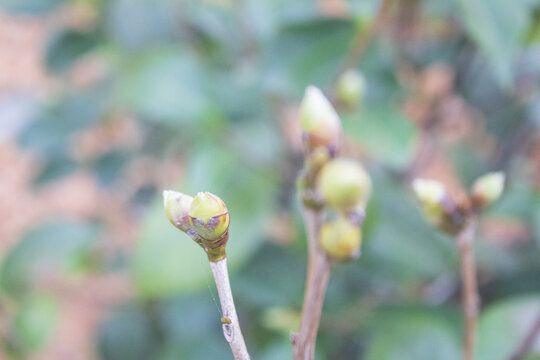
{"points": [[503, 326], [30, 6], [35, 320], [497, 27], [55, 246], [127, 334], [167, 87], [139, 24], [384, 132], [166, 261], [307, 52], [67, 46], [406, 335], [403, 244]]}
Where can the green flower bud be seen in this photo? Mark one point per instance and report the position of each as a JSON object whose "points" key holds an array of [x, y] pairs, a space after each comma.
{"points": [[429, 192], [488, 188], [209, 219], [344, 184], [177, 208], [341, 240], [321, 125], [432, 195], [351, 87]]}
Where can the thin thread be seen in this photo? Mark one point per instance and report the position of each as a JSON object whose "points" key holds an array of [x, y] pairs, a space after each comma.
{"points": [[214, 299]]}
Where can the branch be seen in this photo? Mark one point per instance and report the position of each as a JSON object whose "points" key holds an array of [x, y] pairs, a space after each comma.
{"points": [[231, 326], [319, 267], [525, 346], [362, 40], [470, 296]]}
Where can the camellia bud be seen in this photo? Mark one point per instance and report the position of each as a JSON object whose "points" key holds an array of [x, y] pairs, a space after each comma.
{"points": [[341, 240], [488, 188], [177, 209], [429, 192], [209, 219], [321, 125], [351, 87], [344, 184]]}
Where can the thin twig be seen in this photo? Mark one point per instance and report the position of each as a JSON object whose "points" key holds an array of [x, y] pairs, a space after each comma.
{"points": [[363, 39], [319, 267], [526, 345], [231, 326], [470, 296]]}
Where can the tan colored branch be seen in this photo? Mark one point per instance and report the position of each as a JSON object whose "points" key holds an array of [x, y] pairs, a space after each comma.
{"points": [[363, 39], [231, 326], [319, 267], [470, 296]]}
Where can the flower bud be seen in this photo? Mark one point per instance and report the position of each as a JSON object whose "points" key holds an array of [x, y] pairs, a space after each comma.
{"points": [[429, 192], [488, 188], [209, 219], [344, 184], [341, 240], [321, 125], [177, 208], [351, 87]]}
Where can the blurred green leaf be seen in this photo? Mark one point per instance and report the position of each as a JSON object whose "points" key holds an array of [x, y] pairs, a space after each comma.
{"points": [[49, 133], [55, 246], [404, 244], [166, 261], [167, 87], [35, 321], [307, 52], [136, 24], [503, 325], [406, 335], [384, 132], [497, 26], [127, 334], [66, 46], [54, 168], [30, 6]]}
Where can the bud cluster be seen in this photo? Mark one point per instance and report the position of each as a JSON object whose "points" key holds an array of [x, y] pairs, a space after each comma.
{"points": [[441, 210], [340, 185], [204, 218]]}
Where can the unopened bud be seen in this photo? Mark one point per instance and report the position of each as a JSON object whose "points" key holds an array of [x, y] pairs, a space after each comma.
{"points": [[177, 208], [321, 125], [351, 87], [488, 188], [344, 184], [429, 192], [209, 219], [341, 240]]}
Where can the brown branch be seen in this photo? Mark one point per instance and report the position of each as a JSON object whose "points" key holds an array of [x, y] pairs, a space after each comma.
{"points": [[470, 296], [319, 267], [524, 348], [362, 40]]}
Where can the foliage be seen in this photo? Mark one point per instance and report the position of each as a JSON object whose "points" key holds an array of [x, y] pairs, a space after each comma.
{"points": [[209, 86]]}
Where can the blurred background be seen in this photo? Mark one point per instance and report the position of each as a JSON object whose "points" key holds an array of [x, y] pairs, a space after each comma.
{"points": [[103, 104]]}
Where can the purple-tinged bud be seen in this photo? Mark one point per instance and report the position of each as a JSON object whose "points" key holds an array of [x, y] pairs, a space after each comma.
{"points": [[209, 219], [177, 207]]}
